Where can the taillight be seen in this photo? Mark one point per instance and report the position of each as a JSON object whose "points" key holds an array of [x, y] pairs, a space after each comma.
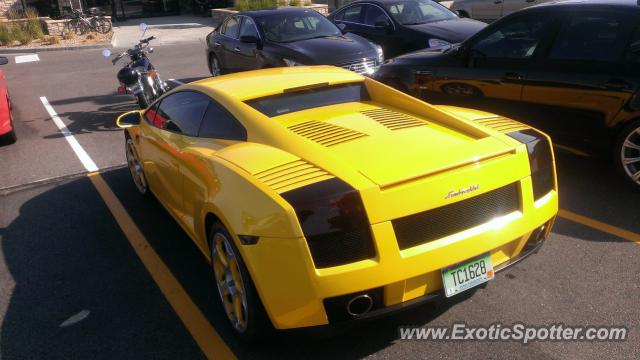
{"points": [[540, 160], [334, 222]]}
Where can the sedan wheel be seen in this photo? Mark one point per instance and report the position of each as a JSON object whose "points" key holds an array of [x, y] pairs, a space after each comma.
{"points": [[135, 167], [215, 66], [629, 153]]}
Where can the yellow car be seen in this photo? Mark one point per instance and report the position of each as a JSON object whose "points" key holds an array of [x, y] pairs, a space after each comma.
{"points": [[322, 196]]}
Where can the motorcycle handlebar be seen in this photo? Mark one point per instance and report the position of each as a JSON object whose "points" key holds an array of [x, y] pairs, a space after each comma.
{"points": [[146, 41]]}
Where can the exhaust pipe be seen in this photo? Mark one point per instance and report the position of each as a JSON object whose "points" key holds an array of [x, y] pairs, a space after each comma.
{"points": [[359, 305]]}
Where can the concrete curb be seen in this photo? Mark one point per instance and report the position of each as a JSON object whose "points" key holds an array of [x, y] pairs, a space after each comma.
{"points": [[44, 49]]}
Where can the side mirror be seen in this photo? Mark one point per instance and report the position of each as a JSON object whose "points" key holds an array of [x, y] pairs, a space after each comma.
{"points": [[3, 60], [461, 14], [342, 27], [129, 119], [249, 39]]}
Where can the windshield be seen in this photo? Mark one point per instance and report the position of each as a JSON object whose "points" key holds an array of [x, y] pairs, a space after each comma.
{"points": [[413, 12], [295, 27]]}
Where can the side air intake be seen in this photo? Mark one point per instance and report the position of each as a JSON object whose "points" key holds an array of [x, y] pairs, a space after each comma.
{"points": [[502, 124], [292, 175]]}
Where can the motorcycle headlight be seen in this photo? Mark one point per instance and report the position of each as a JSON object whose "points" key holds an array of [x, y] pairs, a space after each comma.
{"points": [[540, 160], [290, 62], [435, 43], [334, 222]]}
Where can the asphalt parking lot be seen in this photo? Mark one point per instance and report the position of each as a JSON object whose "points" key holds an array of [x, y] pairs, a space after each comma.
{"points": [[82, 278]]}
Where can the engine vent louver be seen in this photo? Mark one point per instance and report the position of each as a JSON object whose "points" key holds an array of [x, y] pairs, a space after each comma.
{"points": [[325, 134], [502, 124], [393, 120], [292, 175]]}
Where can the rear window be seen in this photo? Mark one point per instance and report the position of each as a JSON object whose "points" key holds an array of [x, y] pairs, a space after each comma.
{"points": [[309, 98]]}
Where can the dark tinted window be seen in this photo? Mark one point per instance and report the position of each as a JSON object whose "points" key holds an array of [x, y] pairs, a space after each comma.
{"points": [[310, 98], [374, 15], [596, 36], [248, 28], [285, 27], [182, 112], [352, 14], [231, 27], [218, 123], [516, 39]]}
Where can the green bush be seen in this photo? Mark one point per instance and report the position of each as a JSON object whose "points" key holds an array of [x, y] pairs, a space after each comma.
{"points": [[21, 34], [6, 36], [246, 5]]}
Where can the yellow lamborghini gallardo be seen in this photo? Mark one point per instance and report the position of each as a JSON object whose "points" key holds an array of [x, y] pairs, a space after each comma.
{"points": [[322, 196]]}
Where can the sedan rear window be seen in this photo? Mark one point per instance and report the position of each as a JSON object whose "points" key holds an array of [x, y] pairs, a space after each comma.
{"points": [[311, 97]]}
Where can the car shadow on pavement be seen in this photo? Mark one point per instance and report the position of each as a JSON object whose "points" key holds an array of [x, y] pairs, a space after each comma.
{"points": [[92, 113], [591, 187], [72, 287]]}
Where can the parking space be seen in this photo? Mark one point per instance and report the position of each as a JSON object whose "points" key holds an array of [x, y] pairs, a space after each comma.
{"points": [[79, 281]]}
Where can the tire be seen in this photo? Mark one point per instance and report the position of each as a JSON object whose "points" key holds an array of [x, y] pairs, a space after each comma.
{"points": [[214, 64], [8, 138], [135, 166], [240, 303], [627, 153]]}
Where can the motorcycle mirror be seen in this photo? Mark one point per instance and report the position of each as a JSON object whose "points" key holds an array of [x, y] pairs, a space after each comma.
{"points": [[106, 52], [150, 50], [143, 27]]}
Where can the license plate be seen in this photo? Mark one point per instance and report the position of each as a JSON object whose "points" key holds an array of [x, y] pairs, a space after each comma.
{"points": [[465, 275]]}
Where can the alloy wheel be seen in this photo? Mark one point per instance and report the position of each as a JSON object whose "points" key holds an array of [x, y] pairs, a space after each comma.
{"points": [[135, 167], [630, 155], [229, 282]]}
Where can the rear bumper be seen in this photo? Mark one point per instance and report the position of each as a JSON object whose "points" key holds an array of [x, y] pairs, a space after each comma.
{"points": [[295, 294]]}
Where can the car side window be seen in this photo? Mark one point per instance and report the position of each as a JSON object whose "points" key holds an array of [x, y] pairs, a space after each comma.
{"points": [[374, 16], [248, 28], [231, 27], [218, 123], [515, 39], [182, 112], [353, 14], [593, 36], [339, 15]]}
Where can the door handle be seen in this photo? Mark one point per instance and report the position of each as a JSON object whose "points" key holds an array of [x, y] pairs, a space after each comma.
{"points": [[217, 43], [237, 49], [512, 76], [617, 84], [530, 1]]}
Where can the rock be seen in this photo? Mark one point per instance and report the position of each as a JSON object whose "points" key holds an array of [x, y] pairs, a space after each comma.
{"points": [[16, 43]]}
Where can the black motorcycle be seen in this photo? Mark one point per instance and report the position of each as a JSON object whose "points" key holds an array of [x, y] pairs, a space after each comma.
{"points": [[139, 77]]}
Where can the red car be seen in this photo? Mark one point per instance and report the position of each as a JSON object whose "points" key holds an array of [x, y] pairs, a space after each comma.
{"points": [[7, 133]]}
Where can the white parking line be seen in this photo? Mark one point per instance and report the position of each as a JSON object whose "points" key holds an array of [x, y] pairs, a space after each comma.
{"points": [[80, 153], [26, 58]]}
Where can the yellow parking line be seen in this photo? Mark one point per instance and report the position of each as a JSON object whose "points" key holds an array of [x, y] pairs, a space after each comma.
{"points": [[599, 225], [201, 330]]}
